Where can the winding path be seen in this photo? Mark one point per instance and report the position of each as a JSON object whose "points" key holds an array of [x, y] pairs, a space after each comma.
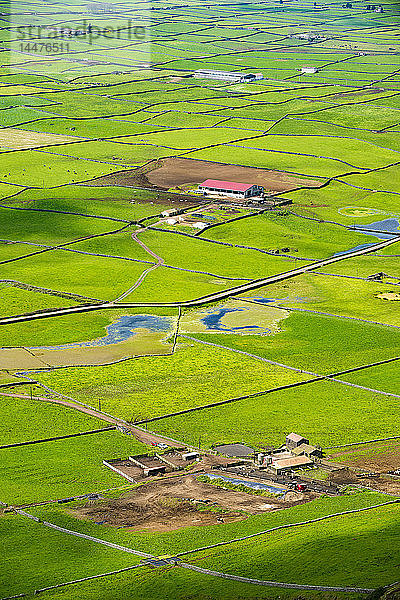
{"points": [[160, 262]]}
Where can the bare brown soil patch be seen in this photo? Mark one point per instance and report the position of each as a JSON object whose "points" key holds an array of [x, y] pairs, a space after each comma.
{"points": [[377, 457], [382, 483], [172, 503], [172, 172]]}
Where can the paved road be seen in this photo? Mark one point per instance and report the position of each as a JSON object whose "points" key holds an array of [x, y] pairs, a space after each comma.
{"points": [[253, 285]]}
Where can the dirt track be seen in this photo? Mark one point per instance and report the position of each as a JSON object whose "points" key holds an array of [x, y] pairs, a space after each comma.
{"points": [[142, 436], [170, 503], [172, 172]]}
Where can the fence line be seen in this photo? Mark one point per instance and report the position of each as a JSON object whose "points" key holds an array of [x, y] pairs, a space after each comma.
{"points": [[393, 437], [60, 437], [288, 526], [295, 586]]}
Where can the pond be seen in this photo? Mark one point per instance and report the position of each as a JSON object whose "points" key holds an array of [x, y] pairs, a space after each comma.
{"points": [[255, 485], [123, 329], [389, 225]]}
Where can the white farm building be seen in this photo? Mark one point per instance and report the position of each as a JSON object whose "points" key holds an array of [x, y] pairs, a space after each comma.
{"points": [[309, 70], [230, 188], [233, 76]]}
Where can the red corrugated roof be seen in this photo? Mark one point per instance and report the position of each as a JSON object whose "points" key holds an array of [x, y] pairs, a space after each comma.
{"points": [[227, 185]]}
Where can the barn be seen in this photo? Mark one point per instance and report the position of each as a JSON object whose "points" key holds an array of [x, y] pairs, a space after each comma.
{"points": [[230, 188]]}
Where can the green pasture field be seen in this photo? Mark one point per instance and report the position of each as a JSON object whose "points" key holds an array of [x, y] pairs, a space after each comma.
{"points": [[385, 261], [108, 201], [356, 152], [23, 419], [190, 253], [334, 201], [91, 276], [57, 170], [66, 329], [353, 535], [142, 388], [31, 548], [361, 531], [14, 301], [93, 128], [63, 468], [327, 413], [49, 228], [174, 583], [292, 163], [272, 231], [318, 127], [383, 377], [316, 343], [328, 294], [383, 179]]}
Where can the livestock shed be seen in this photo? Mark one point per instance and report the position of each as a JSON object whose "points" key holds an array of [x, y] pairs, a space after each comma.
{"points": [[289, 464], [230, 188], [232, 76], [307, 450]]}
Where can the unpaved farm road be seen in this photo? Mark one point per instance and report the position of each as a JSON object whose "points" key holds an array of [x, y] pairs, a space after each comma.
{"points": [[252, 285], [139, 281], [140, 434]]}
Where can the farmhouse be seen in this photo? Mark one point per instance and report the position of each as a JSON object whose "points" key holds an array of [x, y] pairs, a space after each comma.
{"points": [[293, 440], [230, 188]]}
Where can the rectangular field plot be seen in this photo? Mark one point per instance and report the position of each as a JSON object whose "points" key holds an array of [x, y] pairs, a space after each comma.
{"points": [[75, 273], [31, 548], [290, 235], [109, 201], [339, 295], [48, 228], [24, 420], [384, 377], [193, 376], [316, 343], [14, 301], [190, 538], [352, 549], [325, 412], [63, 468]]}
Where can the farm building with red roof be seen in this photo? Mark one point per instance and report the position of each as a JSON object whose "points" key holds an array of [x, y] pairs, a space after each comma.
{"points": [[230, 188]]}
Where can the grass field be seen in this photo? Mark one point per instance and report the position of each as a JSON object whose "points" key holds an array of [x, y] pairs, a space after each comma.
{"points": [[63, 468], [23, 419], [345, 532], [194, 376]]}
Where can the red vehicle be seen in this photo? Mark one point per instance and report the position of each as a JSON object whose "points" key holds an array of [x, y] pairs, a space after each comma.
{"points": [[301, 487]]}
